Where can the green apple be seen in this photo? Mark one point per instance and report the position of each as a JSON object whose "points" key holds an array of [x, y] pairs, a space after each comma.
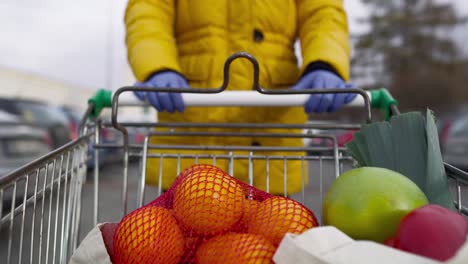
{"points": [[368, 203]]}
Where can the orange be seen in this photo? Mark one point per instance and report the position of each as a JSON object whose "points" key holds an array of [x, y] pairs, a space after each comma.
{"points": [[235, 248], [148, 235], [195, 167], [368, 203], [208, 201], [277, 216], [250, 206]]}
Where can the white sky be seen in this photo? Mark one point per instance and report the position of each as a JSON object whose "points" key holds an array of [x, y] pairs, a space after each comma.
{"points": [[82, 42]]}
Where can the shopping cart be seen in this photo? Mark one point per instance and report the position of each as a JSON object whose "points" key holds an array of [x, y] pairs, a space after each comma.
{"points": [[43, 203]]}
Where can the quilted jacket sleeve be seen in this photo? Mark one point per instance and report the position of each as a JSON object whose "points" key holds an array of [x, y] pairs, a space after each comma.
{"points": [[150, 37], [323, 32]]}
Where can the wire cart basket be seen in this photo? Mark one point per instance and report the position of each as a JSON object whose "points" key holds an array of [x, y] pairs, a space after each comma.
{"points": [[49, 204]]}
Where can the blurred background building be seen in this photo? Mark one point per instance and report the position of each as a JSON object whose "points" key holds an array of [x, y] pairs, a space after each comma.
{"points": [[16, 83]]}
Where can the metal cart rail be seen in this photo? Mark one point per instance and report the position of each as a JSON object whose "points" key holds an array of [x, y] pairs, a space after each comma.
{"points": [[41, 219]]}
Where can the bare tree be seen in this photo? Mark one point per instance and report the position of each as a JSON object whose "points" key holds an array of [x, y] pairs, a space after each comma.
{"points": [[409, 48]]}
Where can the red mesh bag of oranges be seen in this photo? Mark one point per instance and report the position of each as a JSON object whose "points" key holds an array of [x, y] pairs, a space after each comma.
{"points": [[207, 216]]}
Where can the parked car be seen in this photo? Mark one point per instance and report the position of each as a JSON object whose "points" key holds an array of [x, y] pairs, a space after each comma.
{"points": [[106, 155], [20, 143], [136, 135], [74, 117], [455, 148], [342, 136], [40, 113]]}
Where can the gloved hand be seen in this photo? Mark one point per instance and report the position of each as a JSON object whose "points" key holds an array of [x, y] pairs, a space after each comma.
{"points": [[322, 79], [160, 100]]}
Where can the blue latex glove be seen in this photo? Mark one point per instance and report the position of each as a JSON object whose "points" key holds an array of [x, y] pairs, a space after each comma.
{"points": [[322, 79], [164, 101]]}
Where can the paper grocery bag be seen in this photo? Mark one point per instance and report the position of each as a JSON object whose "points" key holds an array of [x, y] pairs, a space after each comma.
{"points": [[94, 247], [462, 255], [329, 245]]}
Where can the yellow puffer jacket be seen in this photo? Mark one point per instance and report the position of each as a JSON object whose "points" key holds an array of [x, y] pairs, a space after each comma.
{"points": [[194, 37]]}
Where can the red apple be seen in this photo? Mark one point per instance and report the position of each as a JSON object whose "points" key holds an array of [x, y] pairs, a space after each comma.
{"points": [[431, 231]]}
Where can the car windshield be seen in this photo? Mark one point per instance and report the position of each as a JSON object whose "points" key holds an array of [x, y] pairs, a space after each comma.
{"points": [[37, 112], [460, 127]]}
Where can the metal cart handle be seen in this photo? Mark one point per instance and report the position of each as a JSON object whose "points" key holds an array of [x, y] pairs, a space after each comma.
{"points": [[247, 98], [380, 99]]}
